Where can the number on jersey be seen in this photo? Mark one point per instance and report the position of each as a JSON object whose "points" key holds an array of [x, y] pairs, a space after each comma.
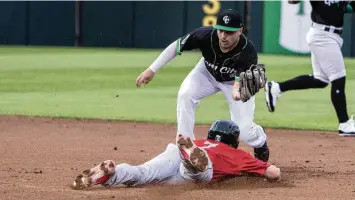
{"points": [[208, 144]]}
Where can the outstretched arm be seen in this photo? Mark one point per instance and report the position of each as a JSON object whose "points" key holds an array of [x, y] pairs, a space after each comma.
{"points": [[188, 42], [166, 56], [252, 165]]}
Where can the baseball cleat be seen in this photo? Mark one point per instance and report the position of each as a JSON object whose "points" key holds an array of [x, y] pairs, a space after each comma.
{"points": [[262, 153], [272, 93], [347, 129], [94, 176], [191, 154]]}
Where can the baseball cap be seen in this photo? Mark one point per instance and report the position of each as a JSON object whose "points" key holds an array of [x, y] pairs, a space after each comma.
{"points": [[229, 20]]}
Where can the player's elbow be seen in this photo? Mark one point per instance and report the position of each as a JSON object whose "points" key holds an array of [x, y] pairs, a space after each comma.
{"points": [[273, 172]]}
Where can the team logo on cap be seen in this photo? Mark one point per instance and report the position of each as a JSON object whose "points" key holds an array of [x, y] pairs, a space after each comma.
{"points": [[226, 19]]}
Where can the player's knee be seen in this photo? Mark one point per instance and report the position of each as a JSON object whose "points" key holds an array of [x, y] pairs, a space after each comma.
{"points": [[252, 134], [317, 83], [247, 134], [246, 130], [321, 84], [339, 83]]}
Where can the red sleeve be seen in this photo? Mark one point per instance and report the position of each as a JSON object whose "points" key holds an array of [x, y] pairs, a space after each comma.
{"points": [[253, 165]]}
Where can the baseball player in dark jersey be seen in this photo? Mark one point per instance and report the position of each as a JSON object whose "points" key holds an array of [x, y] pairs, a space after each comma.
{"points": [[325, 41], [226, 56]]}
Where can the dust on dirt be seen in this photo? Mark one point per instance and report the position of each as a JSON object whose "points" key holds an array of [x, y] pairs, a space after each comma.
{"points": [[42, 156]]}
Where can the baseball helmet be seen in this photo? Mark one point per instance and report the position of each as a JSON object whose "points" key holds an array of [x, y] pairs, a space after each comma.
{"points": [[225, 131]]}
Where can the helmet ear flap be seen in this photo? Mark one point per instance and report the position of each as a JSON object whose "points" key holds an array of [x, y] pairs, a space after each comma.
{"points": [[235, 145]]}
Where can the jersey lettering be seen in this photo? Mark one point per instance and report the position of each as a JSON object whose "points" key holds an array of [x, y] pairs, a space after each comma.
{"points": [[226, 70], [330, 2], [222, 70], [222, 66]]}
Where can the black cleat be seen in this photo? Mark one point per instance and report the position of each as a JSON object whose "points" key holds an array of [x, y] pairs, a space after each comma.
{"points": [[262, 153]]}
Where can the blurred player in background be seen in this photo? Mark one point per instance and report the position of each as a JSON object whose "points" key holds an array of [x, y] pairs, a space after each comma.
{"points": [[325, 41]]}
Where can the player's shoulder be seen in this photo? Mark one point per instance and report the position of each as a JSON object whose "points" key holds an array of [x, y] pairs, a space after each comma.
{"points": [[202, 32], [207, 29], [250, 47], [249, 42]]}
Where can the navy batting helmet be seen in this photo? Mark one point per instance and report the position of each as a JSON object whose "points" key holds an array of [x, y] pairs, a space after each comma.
{"points": [[225, 131]]}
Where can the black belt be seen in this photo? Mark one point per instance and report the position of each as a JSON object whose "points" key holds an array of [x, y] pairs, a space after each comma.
{"points": [[327, 28]]}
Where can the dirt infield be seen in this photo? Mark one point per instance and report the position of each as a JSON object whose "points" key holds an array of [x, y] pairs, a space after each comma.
{"points": [[41, 157]]}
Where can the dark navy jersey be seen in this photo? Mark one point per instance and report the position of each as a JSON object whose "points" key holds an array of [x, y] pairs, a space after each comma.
{"points": [[329, 12], [222, 66]]}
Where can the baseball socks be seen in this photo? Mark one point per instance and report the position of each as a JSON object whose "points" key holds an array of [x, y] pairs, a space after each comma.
{"points": [[274, 89], [346, 125], [301, 82], [262, 153]]}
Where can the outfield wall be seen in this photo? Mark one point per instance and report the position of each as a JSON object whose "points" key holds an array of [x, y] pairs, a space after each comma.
{"points": [[155, 24]]}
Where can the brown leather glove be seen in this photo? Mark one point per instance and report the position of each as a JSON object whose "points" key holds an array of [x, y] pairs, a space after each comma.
{"points": [[251, 81]]}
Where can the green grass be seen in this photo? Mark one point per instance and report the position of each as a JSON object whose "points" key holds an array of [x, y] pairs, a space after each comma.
{"points": [[100, 83]]}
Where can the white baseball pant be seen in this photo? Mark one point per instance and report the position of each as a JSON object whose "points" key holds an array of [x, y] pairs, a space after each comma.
{"points": [[327, 59], [200, 84], [166, 168]]}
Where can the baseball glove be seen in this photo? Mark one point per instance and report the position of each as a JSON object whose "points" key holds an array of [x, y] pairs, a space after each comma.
{"points": [[251, 81]]}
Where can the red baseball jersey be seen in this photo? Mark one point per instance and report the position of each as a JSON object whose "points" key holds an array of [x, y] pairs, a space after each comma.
{"points": [[227, 160]]}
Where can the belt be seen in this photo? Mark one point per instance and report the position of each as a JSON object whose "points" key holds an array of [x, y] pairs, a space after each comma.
{"points": [[331, 29]]}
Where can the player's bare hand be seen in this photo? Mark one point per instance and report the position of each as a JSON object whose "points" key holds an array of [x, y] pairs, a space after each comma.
{"points": [[145, 77], [273, 173], [236, 91]]}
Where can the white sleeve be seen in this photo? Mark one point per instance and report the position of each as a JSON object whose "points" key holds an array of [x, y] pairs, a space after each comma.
{"points": [[166, 56]]}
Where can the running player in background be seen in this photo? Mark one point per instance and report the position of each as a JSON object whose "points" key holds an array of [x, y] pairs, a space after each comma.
{"points": [[325, 41]]}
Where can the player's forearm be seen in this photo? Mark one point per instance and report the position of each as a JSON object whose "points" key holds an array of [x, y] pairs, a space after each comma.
{"points": [[273, 173], [166, 56], [235, 91]]}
